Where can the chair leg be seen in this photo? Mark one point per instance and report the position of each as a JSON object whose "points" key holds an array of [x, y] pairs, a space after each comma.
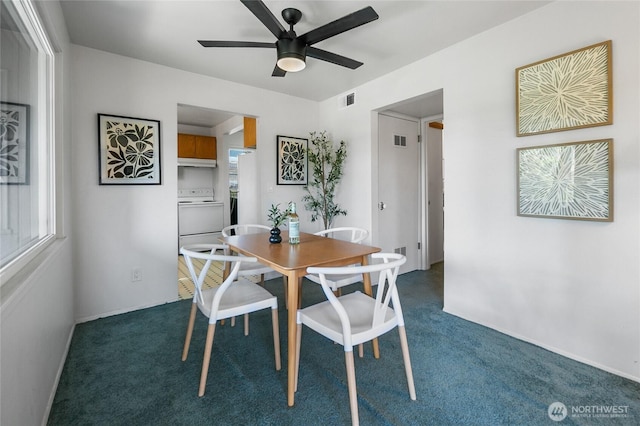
{"points": [[246, 324], [276, 337], [233, 321], [351, 382], [207, 357], [262, 280], [361, 350], [298, 338], [407, 362], [187, 339]]}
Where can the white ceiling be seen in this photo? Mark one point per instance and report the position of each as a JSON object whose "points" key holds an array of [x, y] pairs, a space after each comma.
{"points": [[165, 32], [201, 117]]}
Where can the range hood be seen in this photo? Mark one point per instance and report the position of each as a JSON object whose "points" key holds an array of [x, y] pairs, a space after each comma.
{"points": [[196, 162]]}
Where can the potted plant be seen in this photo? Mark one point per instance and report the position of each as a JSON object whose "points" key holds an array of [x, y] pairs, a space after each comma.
{"points": [[327, 165], [276, 216]]}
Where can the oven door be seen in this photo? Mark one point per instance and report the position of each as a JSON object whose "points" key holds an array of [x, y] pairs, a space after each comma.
{"points": [[200, 218]]}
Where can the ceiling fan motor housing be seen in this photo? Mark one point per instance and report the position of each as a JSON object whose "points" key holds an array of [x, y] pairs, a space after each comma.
{"points": [[291, 49]]}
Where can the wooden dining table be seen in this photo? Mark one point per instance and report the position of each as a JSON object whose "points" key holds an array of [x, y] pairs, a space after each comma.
{"points": [[292, 260]]}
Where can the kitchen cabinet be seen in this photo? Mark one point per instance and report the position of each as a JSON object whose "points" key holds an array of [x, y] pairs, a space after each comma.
{"points": [[250, 140], [196, 146]]}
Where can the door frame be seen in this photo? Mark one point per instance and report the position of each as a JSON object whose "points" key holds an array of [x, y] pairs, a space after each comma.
{"points": [[424, 190], [423, 173]]}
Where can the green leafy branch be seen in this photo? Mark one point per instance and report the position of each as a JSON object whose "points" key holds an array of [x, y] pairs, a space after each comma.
{"points": [[277, 216], [327, 169]]}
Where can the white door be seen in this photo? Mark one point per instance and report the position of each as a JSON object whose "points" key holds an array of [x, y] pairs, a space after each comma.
{"points": [[435, 194], [398, 188]]}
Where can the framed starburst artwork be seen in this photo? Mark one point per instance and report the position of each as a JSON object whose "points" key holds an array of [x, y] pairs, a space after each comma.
{"points": [[567, 181], [566, 92], [129, 151], [292, 160]]}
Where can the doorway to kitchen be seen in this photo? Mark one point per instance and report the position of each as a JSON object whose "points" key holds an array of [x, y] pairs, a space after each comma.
{"points": [[204, 193]]}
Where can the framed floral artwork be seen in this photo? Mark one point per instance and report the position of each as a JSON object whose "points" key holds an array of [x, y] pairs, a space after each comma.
{"points": [[567, 181], [129, 151], [292, 160], [14, 143], [569, 91]]}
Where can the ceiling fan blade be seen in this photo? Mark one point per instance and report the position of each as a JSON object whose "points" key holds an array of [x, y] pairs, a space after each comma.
{"points": [[278, 72], [339, 26], [215, 43], [265, 16], [334, 58]]}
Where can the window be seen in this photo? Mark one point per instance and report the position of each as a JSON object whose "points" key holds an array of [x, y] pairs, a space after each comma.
{"points": [[27, 210]]}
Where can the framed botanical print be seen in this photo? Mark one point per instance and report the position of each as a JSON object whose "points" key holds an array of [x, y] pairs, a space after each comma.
{"points": [[129, 151], [14, 143], [292, 160]]}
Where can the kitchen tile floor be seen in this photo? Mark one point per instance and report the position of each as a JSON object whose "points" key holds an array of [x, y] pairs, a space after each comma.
{"points": [[213, 279]]}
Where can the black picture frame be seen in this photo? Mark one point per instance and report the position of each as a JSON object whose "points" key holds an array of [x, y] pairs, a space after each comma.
{"points": [[14, 143], [292, 167], [129, 150]]}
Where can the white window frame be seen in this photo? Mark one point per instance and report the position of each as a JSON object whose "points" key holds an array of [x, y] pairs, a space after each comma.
{"points": [[46, 192]]}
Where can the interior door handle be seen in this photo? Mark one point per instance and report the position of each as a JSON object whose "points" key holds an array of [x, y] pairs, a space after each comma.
{"points": [[382, 205]]}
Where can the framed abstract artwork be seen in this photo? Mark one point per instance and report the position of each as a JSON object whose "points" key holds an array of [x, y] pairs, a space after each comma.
{"points": [[129, 151], [567, 181], [569, 91], [292, 160], [14, 143]]}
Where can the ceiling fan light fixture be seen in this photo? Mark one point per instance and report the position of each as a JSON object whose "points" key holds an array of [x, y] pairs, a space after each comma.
{"points": [[291, 64], [291, 55]]}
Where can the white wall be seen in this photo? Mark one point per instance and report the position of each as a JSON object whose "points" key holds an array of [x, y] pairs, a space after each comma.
{"points": [[122, 227], [37, 311], [570, 286]]}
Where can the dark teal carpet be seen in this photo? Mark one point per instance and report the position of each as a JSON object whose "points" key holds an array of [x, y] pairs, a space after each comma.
{"points": [[126, 370]]}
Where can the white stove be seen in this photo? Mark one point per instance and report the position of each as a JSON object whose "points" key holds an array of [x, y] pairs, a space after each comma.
{"points": [[195, 195], [200, 218]]}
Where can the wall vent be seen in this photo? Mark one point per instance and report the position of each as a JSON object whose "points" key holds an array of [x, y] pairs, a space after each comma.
{"points": [[401, 250], [351, 98], [399, 140], [346, 100]]}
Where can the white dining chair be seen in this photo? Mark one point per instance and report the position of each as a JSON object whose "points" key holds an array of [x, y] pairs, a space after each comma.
{"points": [[251, 269], [247, 269], [356, 318], [235, 296], [351, 234]]}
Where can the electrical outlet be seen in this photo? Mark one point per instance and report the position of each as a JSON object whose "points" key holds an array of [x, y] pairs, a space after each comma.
{"points": [[136, 275]]}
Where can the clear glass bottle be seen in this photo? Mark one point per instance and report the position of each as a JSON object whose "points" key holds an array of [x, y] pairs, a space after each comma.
{"points": [[294, 225]]}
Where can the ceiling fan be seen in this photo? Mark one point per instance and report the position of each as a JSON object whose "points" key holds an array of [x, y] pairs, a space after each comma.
{"points": [[293, 49]]}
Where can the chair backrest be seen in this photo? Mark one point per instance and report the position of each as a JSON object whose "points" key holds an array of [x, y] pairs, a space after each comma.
{"points": [[386, 292], [348, 233], [207, 254], [244, 229]]}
